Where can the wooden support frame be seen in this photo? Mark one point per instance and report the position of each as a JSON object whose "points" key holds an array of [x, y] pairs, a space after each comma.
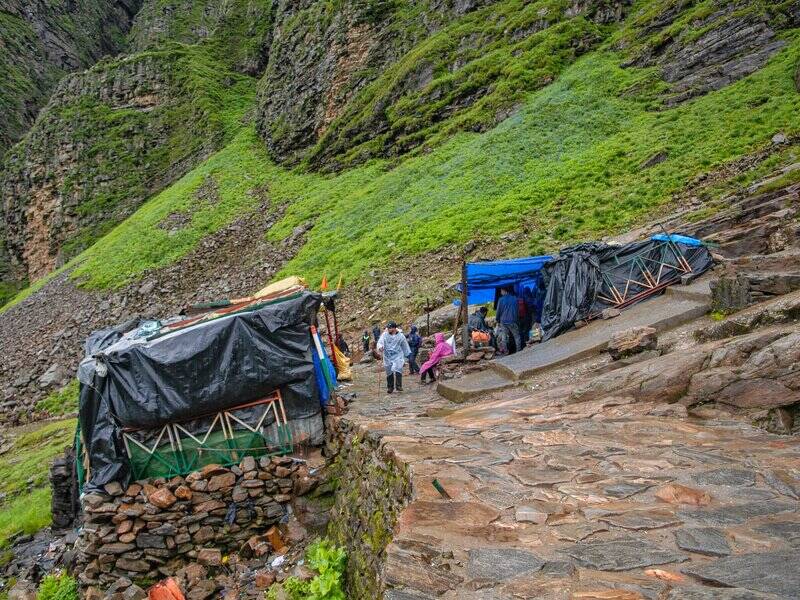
{"points": [[649, 272]]}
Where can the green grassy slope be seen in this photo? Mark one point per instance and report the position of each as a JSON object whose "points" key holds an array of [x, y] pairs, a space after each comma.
{"points": [[24, 470], [567, 167]]}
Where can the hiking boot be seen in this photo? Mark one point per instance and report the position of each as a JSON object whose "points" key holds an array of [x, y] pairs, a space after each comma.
{"points": [[399, 377], [390, 383]]}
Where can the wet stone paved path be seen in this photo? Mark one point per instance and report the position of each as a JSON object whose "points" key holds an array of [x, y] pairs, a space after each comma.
{"points": [[597, 500]]}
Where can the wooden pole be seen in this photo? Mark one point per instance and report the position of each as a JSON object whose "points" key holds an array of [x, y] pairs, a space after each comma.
{"points": [[428, 310], [330, 340], [464, 309]]}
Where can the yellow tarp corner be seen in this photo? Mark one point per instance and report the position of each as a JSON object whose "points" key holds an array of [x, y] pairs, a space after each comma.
{"points": [[281, 286], [344, 373]]}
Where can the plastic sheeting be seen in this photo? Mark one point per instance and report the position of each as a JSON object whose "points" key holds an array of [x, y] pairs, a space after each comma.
{"points": [[574, 284], [570, 284], [484, 278], [200, 370]]}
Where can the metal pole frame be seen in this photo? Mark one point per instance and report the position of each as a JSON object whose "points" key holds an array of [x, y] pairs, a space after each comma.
{"points": [[650, 274], [226, 421]]}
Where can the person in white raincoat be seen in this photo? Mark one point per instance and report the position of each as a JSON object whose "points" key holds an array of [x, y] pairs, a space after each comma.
{"points": [[393, 347]]}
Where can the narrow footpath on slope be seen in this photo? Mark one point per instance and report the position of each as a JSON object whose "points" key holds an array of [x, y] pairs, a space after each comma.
{"points": [[594, 482]]}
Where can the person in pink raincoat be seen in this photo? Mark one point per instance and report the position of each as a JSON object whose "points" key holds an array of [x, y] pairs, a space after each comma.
{"points": [[441, 350]]}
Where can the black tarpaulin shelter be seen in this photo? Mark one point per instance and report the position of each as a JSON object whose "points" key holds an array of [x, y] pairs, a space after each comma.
{"points": [[585, 279], [164, 403]]}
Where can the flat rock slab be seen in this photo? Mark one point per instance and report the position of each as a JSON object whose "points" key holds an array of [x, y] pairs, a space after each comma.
{"points": [[452, 516], [499, 564], [622, 555], [578, 531], [528, 473], [788, 531], [625, 489], [726, 476], [496, 497], [769, 572], [716, 594], [783, 483], [703, 540], [406, 595], [735, 514], [641, 520]]}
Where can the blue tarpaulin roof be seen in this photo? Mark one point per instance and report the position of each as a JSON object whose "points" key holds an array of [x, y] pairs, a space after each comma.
{"points": [[483, 278], [677, 239]]}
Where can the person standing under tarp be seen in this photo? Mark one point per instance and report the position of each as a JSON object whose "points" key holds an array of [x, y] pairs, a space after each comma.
{"points": [[414, 342], [365, 338], [508, 322], [393, 348]]}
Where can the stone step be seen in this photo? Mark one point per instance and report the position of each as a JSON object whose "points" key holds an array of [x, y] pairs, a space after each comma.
{"points": [[663, 313], [671, 310], [474, 385], [699, 290]]}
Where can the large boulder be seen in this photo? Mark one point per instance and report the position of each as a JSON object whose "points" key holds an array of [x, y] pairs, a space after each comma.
{"points": [[442, 319], [632, 341]]}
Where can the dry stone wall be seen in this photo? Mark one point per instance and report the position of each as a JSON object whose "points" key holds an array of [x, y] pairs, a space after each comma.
{"points": [[153, 529], [372, 487], [250, 512]]}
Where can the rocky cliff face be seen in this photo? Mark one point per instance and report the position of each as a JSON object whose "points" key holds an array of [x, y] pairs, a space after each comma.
{"points": [[371, 78], [108, 139], [243, 28], [114, 135], [44, 40]]}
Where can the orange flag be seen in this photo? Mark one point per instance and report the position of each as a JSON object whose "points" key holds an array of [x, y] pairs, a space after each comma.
{"points": [[324, 285]]}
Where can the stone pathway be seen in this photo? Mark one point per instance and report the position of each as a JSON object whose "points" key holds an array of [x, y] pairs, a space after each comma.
{"points": [[605, 499]]}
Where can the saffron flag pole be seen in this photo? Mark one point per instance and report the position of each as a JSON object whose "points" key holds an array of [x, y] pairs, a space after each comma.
{"points": [[324, 285]]}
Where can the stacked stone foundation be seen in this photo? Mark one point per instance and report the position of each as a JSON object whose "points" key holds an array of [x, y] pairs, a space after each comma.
{"points": [[151, 529]]}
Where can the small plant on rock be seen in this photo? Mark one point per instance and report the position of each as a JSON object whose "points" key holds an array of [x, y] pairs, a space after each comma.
{"points": [[329, 562], [58, 587]]}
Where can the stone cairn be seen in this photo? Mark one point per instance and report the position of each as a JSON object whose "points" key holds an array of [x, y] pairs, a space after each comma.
{"points": [[154, 529]]}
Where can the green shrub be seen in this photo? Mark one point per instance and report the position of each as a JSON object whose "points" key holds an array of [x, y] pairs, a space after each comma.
{"points": [[58, 587], [329, 561]]}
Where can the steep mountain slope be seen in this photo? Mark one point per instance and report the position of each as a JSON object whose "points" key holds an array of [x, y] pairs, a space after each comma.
{"points": [[112, 136], [382, 77], [592, 117], [42, 41]]}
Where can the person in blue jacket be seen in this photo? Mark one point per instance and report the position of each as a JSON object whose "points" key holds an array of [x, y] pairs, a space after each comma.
{"points": [[508, 322], [414, 342]]}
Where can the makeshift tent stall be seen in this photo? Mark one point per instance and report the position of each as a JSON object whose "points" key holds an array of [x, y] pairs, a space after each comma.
{"points": [[162, 401], [485, 278], [585, 279], [588, 278]]}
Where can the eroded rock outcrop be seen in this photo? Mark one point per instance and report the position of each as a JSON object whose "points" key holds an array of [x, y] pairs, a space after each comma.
{"points": [[42, 41], [372, 79], [718, 48]]}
